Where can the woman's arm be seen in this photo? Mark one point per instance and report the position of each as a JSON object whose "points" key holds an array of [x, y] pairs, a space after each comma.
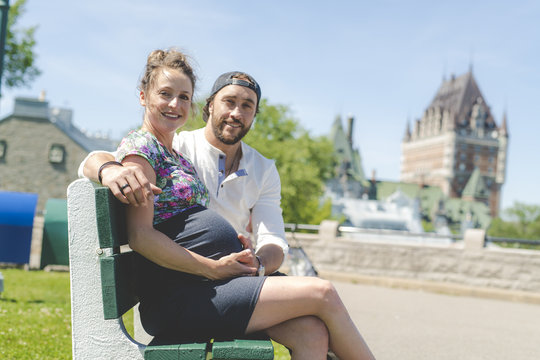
{"points": [[157, 247], [114, 177]]}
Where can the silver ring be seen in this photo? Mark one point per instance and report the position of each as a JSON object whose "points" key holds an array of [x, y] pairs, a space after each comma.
{"points": [[123, 187]]}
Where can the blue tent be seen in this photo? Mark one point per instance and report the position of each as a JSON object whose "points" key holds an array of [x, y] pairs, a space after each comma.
{"points": [[17, 212]]}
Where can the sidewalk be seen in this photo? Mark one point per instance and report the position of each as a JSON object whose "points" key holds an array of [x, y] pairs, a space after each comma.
{"points": [[409, 324]]}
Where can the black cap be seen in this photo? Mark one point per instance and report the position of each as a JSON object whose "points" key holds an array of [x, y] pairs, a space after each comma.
{"points": [[228, 79]]}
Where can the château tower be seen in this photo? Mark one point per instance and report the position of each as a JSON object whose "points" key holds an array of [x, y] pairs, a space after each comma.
{"points": [[457, 145]]}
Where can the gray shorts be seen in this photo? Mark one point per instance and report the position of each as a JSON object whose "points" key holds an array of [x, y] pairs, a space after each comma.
{"points": [[177, 307]]}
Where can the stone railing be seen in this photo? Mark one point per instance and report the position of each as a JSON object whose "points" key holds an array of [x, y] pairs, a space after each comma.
{"points": [[468, 262]]}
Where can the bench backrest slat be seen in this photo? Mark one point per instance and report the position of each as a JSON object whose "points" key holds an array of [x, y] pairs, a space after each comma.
{"points": [[117, 281], [111, 219]]}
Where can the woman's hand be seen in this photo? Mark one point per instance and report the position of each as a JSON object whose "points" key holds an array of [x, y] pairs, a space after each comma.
{"points": [[138, 189]]}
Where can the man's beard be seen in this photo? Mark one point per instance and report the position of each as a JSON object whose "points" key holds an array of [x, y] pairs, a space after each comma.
{"points": [[218, 133]]}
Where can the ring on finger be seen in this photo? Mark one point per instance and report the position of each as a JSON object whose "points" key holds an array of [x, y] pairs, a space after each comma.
{"points": [[123, 187]]}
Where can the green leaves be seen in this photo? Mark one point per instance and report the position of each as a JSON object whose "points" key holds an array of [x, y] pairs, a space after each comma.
{"points": [[19, 58], [304, 162], [523, 223]]}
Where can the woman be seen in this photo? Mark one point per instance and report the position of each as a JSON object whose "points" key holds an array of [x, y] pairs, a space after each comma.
{"points": [[193, 283]]}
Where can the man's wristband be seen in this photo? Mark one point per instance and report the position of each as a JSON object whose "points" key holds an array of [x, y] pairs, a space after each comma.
{"points": [[108, 163]]}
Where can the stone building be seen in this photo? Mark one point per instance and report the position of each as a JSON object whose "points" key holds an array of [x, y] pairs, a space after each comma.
{"points": [[457, 145], [41, 149]]}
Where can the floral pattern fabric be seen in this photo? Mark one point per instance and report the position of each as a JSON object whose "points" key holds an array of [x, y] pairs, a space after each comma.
{"points": [[175, 175]]}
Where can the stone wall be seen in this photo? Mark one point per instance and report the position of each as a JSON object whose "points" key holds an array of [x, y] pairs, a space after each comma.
{"points": [[26, 167], [465, 263]]}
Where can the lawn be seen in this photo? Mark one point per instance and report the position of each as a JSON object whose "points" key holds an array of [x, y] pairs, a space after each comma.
{"points": [[35, 316], [35, 320]]}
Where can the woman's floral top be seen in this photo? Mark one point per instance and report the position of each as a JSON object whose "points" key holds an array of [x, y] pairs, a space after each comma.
{"points": [[175, 175]]}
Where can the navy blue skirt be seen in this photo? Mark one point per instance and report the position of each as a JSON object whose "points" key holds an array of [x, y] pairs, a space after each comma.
{"points": [[177, 307]]}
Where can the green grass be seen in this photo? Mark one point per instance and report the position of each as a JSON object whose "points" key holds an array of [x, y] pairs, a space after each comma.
{"points": [[35, 317]]}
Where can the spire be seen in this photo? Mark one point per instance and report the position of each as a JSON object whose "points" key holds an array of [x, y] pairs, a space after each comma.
{"points": [[407, 135], [504, 126], [336, 129], [471, 61], [350, 125]]}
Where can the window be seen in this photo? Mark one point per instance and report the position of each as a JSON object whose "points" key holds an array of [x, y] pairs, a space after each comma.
{"points": [[57, 154], [3, 149]]}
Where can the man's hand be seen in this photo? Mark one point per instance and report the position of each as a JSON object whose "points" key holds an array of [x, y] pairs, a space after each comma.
{"points": [[250, 259], [246, 242], [271, 256], [139, 189]]}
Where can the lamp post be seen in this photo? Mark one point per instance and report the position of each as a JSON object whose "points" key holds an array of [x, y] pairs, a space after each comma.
{"points": [[4, 10]]}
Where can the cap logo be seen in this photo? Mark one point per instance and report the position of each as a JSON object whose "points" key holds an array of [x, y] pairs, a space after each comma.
{"points": [[244, 83]]}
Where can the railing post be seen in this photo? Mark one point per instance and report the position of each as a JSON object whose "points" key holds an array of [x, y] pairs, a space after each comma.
{"points": [[474, 239], [328, 231]]}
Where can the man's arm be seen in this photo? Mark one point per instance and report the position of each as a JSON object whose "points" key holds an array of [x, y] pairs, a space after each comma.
{"points": [[93, 162], [271, 256], [267, 223], [115, 177]]}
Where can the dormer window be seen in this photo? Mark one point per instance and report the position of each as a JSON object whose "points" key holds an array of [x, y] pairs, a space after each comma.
{"points": [[57, 154]]}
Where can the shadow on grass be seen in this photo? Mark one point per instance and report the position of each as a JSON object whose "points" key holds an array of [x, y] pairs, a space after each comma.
{"points": [[35, 301], [3, 299]]}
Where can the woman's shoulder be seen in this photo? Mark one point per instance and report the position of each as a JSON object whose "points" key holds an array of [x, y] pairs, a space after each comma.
{"points": [[139, 142], [140, 138], [141, 135]]}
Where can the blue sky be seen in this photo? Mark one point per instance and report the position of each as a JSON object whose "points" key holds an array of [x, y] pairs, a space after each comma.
{"points": [[381, 61]]}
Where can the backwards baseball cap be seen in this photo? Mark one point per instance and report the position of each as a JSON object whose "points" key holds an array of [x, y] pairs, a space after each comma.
{"points": [[229, 79]]}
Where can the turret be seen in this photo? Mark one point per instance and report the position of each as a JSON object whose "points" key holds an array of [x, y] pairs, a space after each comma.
{"points": [[407, 135], [350, 124]]}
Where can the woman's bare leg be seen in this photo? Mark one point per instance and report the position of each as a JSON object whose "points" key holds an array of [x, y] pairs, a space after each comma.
{"points": [[285, 298], [306, 337]]}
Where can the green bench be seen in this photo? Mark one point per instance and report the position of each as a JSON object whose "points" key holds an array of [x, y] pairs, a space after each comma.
{"points": [[102, 288]]}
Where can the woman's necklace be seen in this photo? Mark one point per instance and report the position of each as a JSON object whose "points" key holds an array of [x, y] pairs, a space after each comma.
{"points": [[236, 161]]}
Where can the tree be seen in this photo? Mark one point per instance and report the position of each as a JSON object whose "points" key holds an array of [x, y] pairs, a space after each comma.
{"points": [[524, 223], [304, 162], [19, 57]]}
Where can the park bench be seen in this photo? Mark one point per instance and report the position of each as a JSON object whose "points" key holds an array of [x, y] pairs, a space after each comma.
{"points": [[102, 288]]}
